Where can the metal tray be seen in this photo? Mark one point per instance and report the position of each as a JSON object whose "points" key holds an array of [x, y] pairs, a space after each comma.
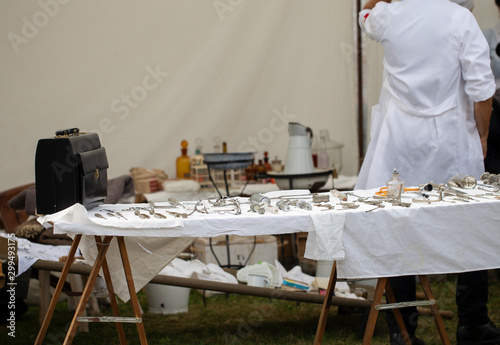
{"points": [[228, 161]]}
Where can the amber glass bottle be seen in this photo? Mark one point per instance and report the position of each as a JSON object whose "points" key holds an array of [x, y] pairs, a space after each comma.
{"points": [[182, 162], [266, 161]]}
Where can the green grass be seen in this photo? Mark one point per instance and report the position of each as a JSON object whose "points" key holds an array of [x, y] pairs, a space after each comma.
{"points": [[237, 319]]}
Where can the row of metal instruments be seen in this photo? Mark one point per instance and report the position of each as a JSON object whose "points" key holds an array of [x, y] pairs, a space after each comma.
{"points": [[455, 190], [174, 209]]}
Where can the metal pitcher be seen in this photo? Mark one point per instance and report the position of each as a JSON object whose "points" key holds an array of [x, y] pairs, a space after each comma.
{"points": [[299, 158]]}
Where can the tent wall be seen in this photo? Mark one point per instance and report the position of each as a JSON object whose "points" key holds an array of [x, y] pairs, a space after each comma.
{"points": [[146, 75], [486, 13]]}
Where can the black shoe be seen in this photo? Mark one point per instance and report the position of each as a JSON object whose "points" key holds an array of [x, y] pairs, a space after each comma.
{"points": [[485, 334], [397, 339]]}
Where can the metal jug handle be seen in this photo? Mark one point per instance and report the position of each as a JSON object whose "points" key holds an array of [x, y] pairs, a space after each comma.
{"points": [[309, 130]]}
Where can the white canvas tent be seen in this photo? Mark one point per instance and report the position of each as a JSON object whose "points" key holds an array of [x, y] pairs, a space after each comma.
{"points": [[147, 74]]}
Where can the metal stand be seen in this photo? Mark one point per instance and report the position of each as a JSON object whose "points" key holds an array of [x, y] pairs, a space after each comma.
{"points": [[226, 184]]}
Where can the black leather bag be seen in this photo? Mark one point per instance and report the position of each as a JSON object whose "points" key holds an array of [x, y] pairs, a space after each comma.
{"points": [[70, 168]]}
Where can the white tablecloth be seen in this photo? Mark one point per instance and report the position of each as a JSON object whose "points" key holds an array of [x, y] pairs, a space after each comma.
{"points": [[440, 237], [152, 243], [426, 238]]}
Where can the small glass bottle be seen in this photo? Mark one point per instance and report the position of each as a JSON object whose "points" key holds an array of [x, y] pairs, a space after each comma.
{"points": [[197, 159], [266, 161], [182, 163], [217, 145], [250, 171], [276, 165], [395, 186], [323, 158]]}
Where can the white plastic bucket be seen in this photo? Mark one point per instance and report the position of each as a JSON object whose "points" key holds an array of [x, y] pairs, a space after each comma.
{"points": [[165, 299], [324, 268]]}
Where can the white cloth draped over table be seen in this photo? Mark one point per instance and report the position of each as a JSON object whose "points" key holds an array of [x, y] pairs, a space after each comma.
{"points": [[435, 238], [426, 238], [153, 243], [324, 241]]}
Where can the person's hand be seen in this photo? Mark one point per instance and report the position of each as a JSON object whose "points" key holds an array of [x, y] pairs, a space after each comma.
{"points": [[482, 114]]}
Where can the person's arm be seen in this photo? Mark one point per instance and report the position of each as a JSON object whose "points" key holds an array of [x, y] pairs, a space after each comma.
{"points": [[371, 4], [482, 114]]}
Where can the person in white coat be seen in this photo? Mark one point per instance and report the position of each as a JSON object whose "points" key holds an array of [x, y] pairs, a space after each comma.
{"points": [[435, 68], [431, 123], [493, 37]]}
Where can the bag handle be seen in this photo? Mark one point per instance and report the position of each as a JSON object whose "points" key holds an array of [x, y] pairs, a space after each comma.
{"points": [[67, 132]]}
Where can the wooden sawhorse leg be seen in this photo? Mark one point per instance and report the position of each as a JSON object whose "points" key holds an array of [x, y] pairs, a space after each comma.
{"points": [[131, 288], [383, 284], [101, 262], [58, 290], [112, 300], [326, 305], [102, 249], [424, 280], [44, 297]]}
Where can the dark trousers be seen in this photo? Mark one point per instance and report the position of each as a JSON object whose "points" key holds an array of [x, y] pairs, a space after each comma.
{"points": [[471, 299]]}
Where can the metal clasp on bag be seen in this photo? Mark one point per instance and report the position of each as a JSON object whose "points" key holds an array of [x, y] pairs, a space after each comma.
{"points": [[65, 133], [96, 174]]}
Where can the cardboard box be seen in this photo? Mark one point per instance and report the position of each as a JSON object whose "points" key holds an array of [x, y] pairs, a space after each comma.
{"points": [[148, 180], [240, 250]]}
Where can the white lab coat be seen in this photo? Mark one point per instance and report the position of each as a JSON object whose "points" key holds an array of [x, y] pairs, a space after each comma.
{"points": [[436, 65]]}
